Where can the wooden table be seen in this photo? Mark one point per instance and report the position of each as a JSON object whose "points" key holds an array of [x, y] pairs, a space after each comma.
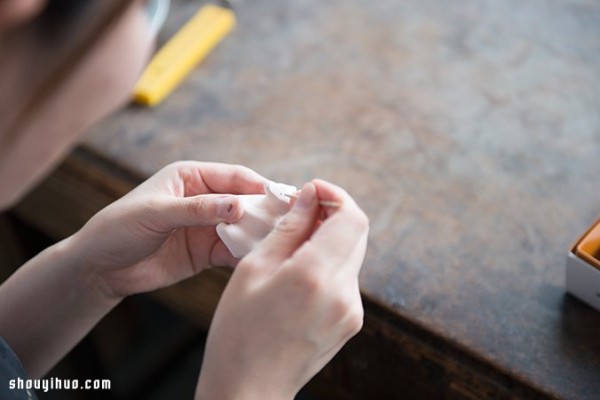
{"points": [[468, 130]]}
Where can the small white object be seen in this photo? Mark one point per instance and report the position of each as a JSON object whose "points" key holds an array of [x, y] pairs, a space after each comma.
{"points": [[261, 214]]}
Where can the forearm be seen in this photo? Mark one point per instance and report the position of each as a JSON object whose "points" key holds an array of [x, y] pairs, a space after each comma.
{"points": [[229, 386], [49, 305]]}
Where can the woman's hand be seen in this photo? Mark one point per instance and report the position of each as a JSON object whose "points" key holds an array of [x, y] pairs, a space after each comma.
{"points": [[164, 230], [291, 303]]}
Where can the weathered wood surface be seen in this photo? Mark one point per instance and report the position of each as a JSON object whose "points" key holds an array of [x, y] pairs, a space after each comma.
{"points": [[470, 133]]}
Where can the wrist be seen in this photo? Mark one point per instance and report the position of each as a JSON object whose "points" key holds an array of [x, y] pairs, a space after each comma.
{"points": [[227, 387], [85, 271], [49, 304]]}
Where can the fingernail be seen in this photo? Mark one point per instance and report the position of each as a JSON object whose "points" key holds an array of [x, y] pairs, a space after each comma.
{"points": [[227, 207], [307, 196]]}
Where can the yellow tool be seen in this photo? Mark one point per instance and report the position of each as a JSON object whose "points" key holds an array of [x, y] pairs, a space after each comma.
{"points": [[188, 47]]}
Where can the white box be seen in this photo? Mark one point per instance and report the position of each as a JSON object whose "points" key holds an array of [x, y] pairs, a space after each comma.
{"points": [[583, 267]]}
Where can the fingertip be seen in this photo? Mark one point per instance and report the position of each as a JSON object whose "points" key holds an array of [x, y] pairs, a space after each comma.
{"points": [[326, 187], [330, 192], [230, 208], [307, 198]]}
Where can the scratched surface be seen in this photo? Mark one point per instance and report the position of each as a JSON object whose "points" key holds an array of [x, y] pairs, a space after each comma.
{"points": [[468, 130]]}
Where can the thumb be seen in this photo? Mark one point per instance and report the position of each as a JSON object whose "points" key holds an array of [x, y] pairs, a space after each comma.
{"points": [[293, 229], [202, 210]]}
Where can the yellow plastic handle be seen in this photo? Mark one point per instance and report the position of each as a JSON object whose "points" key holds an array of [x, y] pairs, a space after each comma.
{"points": [[176, 59]]}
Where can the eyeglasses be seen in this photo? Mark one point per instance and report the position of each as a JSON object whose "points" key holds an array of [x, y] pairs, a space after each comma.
{"points": [[157, 11]]}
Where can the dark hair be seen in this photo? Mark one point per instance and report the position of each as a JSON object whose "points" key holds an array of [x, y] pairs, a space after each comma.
{"points": [[59, 11], [60, 37]]}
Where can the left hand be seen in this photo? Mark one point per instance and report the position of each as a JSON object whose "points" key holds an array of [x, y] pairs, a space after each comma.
{"points": [[164, 230]]}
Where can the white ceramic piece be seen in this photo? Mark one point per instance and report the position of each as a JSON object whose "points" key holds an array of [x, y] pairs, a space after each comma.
{"points": [[262, 212]]}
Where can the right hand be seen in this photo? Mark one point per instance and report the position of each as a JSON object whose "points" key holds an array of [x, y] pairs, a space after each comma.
{"points": [[291, 303]]}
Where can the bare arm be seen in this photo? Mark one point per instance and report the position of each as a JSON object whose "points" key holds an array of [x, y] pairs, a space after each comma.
{"points": [[49, 305], [159, 234]]}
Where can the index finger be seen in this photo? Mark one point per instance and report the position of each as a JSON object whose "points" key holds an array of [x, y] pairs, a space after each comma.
{"points": [[203, 177], [329, 193], [342, 237], [340, 241]]}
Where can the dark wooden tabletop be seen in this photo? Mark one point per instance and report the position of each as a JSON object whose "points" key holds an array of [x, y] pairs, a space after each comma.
{"points": [[469, 131]]}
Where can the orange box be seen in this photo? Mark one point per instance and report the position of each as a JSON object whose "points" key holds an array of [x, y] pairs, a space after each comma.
{"points": [[583, 267]]}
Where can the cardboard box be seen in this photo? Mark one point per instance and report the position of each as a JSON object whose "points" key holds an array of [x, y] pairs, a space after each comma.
{"points": [[583, 267]]}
